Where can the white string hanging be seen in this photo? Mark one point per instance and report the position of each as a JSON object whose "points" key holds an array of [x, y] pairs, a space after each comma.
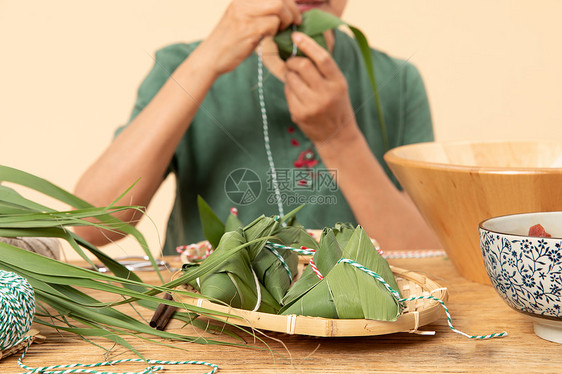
{"points": [[272, 169]]}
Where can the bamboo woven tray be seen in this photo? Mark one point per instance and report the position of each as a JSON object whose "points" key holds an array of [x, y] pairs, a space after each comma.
{"points": [[417, 313]]}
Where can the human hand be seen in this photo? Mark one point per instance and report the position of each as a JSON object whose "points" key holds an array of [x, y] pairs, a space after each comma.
{"points": [[317, 93], [242, 26]]}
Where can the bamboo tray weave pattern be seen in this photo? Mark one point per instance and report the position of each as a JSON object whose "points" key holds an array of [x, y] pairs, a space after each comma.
{"points": [[416, 313]]}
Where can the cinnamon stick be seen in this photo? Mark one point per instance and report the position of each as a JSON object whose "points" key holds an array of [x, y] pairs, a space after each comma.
{"points": [[160, 311], [165, 318]]}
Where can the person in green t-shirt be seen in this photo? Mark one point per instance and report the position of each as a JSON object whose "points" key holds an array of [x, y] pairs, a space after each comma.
{"points": [[306, 132]]}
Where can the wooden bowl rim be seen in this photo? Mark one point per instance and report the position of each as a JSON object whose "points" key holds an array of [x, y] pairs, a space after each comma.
{"points": [[392, 158]]}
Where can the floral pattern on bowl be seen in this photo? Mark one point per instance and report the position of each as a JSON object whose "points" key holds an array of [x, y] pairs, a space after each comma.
{"points": [[525, 271]]}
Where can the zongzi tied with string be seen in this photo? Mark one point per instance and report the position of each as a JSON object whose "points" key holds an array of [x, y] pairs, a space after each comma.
{"points": [[346, 291]]}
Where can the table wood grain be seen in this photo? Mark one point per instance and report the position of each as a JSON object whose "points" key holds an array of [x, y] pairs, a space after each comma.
{"points": [[475, 309]]}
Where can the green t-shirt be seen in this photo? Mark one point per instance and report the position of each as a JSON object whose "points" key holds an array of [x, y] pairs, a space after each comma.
{"points": [[222, 156]]}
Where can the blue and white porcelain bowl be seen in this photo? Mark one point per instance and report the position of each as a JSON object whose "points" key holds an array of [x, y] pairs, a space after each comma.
{"points": [[526, 271]]}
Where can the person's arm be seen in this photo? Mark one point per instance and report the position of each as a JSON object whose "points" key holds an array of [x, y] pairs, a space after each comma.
{"points": [[319, 102], [144, 149], [386, 213]]}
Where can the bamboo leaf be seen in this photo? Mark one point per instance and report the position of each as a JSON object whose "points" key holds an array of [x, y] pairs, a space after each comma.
{"points": [[46, 232], [290, 217], [93, 331], [369, 65], [120, 271], [347, 290], [357, 294], [69, 301], [233, 282], [10, 196], [112, 265], [33, 262], [232, 223], [59, 218], [326, 256], [53, 274], [213, 228], [113, 318], [39, 184], [343, 232], [317, 302], [259, 229], [316, 22]]}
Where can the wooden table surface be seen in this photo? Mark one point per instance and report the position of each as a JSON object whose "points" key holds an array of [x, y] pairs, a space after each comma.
{"points": [[475, 309]]}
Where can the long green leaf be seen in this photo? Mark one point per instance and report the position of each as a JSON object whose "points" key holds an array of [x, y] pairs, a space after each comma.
{"points": [[366, 52], [47, 188], [213, 228]]}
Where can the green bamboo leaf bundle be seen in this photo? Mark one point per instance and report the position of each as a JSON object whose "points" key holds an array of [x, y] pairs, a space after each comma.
{"points": [[372, 300], [314, 23], [274, 268], [277, 267], [261, 227], [348, 292], [274, 273], [234, 282], [327, 254], [12, 199], [255, 273], [59, 303]]}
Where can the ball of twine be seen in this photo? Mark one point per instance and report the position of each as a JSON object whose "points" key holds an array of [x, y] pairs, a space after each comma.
{"points": [[18, 308]]}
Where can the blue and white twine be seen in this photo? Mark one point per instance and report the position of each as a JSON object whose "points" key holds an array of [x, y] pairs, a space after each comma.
{"points": [[18, 308], [402, 300]]}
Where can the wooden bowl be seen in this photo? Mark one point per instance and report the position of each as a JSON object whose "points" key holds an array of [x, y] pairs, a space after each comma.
{"points": [[457, 185]]}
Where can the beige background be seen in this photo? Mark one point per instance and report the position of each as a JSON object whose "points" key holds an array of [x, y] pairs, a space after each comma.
{"points": [[70, 69]]}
